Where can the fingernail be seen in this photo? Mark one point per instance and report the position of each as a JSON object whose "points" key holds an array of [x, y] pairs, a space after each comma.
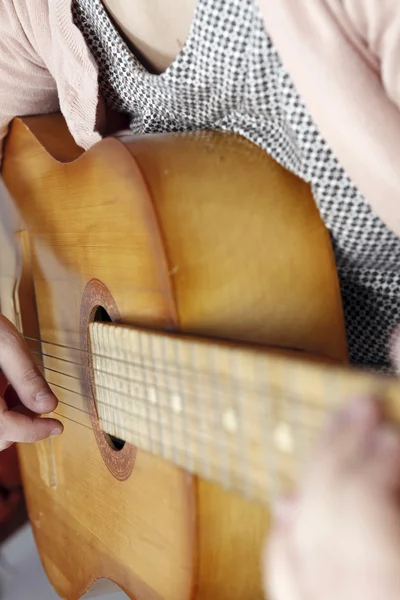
{"points": [[44, 395], [56, 431]]}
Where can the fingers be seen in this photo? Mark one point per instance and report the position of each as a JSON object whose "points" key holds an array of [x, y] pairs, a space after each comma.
{"points": [[383, 464], [18, 426], [29, 387], [349, 491], [285, 510], [360, 442], [21, 371], [343, 445], [280, 575], [349, 438]]}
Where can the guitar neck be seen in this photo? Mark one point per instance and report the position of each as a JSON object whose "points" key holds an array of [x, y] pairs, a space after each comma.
{"points": [[243, 417]]}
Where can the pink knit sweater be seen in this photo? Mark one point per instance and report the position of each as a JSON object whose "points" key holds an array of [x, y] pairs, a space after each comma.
{"points": [[45, 66], [343, 56]]}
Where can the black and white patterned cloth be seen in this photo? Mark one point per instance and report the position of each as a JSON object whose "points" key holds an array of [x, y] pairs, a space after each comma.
{"points": [[229, 76]]}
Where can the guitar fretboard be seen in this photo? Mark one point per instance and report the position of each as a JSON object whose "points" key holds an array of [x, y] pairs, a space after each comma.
{"points": [[243, 417]]}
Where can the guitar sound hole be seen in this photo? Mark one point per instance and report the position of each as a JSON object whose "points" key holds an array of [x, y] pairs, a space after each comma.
{"points": [[102, 316]]}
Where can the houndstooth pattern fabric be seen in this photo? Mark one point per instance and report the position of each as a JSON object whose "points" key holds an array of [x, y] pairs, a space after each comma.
{"points": [[228, 76]]}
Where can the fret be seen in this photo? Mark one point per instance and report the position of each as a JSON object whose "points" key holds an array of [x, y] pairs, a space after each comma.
{"points": [[126, 370], [112, 415], [171, 400], [222, 432], [268, 463], [203, 450], [186, 437], [155, 396], [99, 366], [272, 424], [242, 439], [162, 399], [143, 375], [210, 439], [292, 437], [153, 410]]}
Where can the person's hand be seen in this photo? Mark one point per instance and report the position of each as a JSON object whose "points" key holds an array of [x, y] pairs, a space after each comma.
{"points": [[339, 536], [29, 396]]}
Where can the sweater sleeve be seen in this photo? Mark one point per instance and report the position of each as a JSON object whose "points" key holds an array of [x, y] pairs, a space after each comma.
{"points": [[377, 23], [342, 56], [26, 86]]}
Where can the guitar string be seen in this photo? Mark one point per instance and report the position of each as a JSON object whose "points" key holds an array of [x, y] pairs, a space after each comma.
{"points": [[257, 472], [91, 353], [175, 369], [161, 388], [130, 380], [147, 420], [158, 422], [167, 406], [278, 392], [136, 415], [174, 446], [134, 432], [170, 447], [141, 366]]}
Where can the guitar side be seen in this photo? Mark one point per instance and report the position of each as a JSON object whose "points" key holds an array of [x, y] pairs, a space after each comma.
{"points": [[165, 226]]}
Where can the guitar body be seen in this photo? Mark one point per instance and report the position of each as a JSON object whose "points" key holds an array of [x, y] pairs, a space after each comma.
{"points": [[201, 233]]}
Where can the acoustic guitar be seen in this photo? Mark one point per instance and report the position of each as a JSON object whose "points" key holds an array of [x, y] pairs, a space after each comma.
{"points": [[180, 294]]}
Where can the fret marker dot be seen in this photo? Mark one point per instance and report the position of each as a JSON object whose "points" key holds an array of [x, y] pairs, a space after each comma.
{"points": [[152, 395], [283, 438], [176, 403], [229, 421]]}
